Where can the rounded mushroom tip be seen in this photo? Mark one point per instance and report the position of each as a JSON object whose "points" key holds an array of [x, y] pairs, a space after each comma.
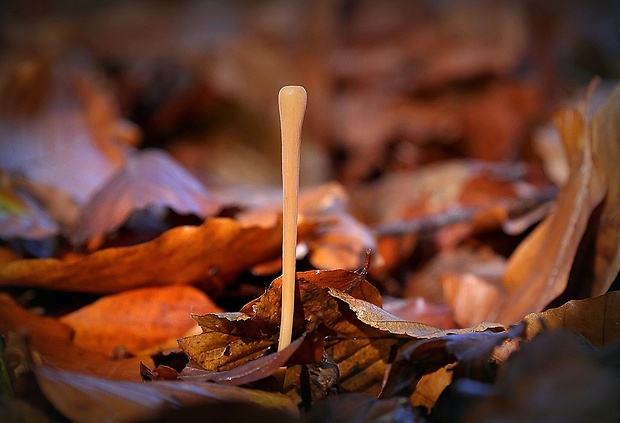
{"points": [[292, 90]]}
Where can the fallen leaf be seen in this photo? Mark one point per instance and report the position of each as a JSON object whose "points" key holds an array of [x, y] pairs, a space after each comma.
{"points": [[606, 151], [85, 398], [246, 373], [554, 377], [596, 319], [148, 179], [211, 254], [482, 263], [360, 351], [53, 341], [430, 386], [137, 319], [537, 271], [46, 130], [473, 299], [361, 408], [471, 349], [418, 309]]}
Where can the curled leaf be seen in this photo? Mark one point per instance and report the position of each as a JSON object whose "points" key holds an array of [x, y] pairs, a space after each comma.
{"points": [[149, 178]]}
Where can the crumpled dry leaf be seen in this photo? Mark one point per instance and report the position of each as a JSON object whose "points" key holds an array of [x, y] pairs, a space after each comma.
{"points": [[149, 178], [428, 283], [59, 127], [470, 350], [360, 351], [453, 199], [137, 319], [339, 240], [355, 332], [211, 254]]}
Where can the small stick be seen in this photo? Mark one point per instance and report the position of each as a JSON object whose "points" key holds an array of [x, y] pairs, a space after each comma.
{"points": [[292, 103]]}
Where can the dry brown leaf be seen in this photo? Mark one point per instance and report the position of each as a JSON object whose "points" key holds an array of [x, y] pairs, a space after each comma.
{"points": [[473, 299], [149, 179], [138, 319], [471, 348], [211, 254], [596, 319], [337, 240], [360, 351], [538, 269], [430, 386], [606, 150]]}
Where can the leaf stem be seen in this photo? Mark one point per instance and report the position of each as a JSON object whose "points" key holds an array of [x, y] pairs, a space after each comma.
{"points": [[292, 104]]}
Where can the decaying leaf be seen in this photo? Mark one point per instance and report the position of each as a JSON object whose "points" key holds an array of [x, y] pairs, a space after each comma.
{"points": [[211, 254], [339, 306], [148, 179], [137, 319], [360, 351], [418, 309]]}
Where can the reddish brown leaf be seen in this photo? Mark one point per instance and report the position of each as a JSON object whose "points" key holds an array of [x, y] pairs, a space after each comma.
{"points": [[53, 341], [138, 319]]}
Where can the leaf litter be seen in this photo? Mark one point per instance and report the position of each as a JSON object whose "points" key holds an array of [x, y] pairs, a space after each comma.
{"points": [[458, 240]]}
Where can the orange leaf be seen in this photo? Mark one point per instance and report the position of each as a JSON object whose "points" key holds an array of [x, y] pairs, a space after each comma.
{"points": [[212, 254], [137, 319]]}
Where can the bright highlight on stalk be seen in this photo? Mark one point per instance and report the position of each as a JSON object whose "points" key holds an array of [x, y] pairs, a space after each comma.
{"points": [[292, 103]]}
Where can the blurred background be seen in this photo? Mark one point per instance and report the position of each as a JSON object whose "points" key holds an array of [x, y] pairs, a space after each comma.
{"points": [[392, 84]]}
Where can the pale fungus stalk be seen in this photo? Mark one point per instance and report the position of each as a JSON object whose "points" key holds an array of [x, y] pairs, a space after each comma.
{"points": [[292, 104]]}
